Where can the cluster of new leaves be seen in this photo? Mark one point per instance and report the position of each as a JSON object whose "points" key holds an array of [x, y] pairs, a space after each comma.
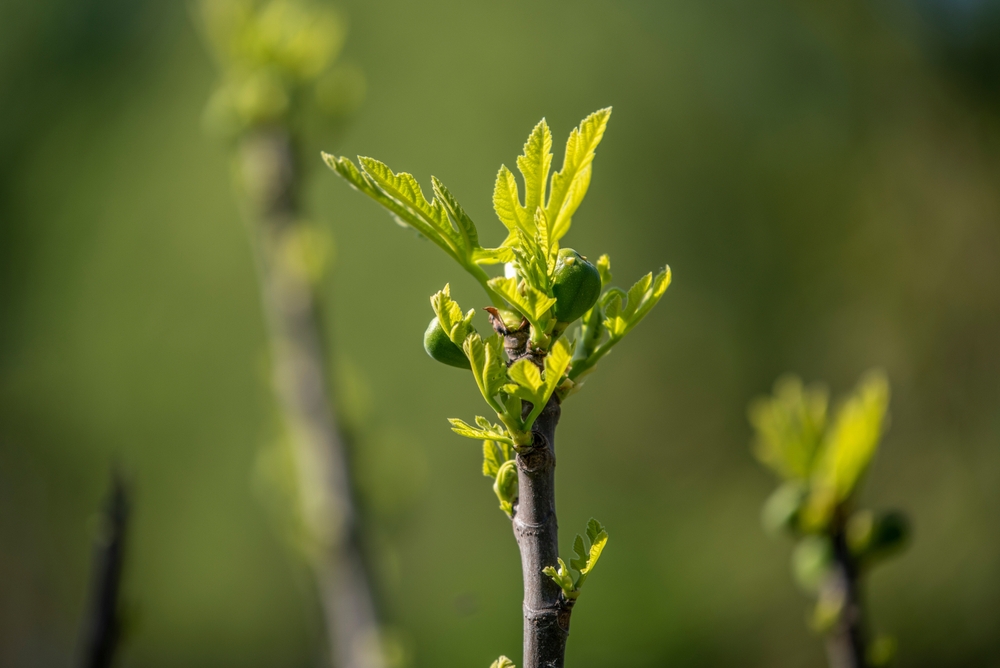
{"points": [[503, 662], [271, 53], [822, 464], [583, 564], [614, 315], [503, 386], [527, 292]]}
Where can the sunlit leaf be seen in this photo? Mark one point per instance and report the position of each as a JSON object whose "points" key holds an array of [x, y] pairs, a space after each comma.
{"points": [[570, 184], [534, 164]]}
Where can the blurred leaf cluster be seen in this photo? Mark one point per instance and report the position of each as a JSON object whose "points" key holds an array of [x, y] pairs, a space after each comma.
{"points": [[823, 461], [276, 55]]}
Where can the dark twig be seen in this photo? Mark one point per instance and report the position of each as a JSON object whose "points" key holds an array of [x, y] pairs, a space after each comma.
{"points": [[102, 630], [546, 610], [846, 643]]}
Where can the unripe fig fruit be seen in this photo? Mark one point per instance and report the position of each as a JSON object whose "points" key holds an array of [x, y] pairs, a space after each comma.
{"points": [[440, 347], [577, 285]]}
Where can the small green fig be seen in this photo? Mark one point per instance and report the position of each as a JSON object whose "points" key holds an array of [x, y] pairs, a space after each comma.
{"points": [[577, 285], [440, 347]]}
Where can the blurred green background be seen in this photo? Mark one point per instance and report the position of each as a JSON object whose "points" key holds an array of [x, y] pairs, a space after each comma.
{"points": [[821, 176]]}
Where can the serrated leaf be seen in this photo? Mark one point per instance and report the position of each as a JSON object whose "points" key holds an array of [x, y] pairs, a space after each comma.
{"points": [[532, 303], [403, 187], [534, 164], [493, 432], [449, 314], [527, 376], [507, 203], [636, 294], [467, 228], [586, 558], [532, 259], [581, 554], [570, 184], [556, 364]]}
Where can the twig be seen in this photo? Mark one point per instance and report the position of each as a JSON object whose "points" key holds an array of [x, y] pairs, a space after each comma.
{"points": [[103, 622]]}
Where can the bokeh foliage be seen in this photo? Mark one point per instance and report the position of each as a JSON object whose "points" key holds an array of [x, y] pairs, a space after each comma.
{"points": [[821, 177]]}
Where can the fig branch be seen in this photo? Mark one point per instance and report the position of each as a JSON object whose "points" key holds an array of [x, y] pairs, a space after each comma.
{"points": [[535, 357]]}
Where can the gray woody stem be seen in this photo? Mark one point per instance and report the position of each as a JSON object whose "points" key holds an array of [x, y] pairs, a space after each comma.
{"points": [[268, 174], [846, 643], [546, 611]]}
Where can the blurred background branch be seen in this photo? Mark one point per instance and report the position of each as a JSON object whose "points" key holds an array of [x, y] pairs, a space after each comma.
{"points": [[276, 58]]}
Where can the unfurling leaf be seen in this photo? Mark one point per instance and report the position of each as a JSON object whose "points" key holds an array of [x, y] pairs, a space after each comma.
{"points": [[563, 578], [449, 314], [485, 432], [495, 453], [488, 366], [505, 486], [532, 303], [503, 662], [586, 558], [604, 267], [528, 378]]}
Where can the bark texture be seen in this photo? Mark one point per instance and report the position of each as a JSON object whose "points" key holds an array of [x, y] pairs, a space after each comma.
{"points": [[846, 643], [103, 623], [267, 163], [546, 611]]}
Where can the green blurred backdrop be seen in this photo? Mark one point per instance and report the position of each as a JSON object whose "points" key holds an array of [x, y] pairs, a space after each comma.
{"points": [[821, 176]]}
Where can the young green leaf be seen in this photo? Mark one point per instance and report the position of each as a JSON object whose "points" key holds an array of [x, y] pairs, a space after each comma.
{"points": [[488, 366], [449, 314], [528, 379], [534, 165], [507, 203], [622, 312], [485, 432], [532, 303], [586, 558], [494, 455], [503, 662], [505, 486], [470, 236], [562, 577], [570, 184], [401, 195]]}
